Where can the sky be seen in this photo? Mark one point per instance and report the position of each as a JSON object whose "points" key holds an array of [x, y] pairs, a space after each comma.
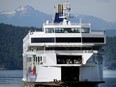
{"points": [[104, 9]]}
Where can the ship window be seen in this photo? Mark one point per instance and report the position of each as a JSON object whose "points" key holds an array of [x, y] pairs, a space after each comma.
{"points": [[67, 30], [85, 30], [49, 30], [42, 40], [62, 40], [67, 59], [93, 40], [75, 30], [73, 48], [40, 58], [96, 47], [59, 30], [36, 59], [62, 48], [40, 48]]}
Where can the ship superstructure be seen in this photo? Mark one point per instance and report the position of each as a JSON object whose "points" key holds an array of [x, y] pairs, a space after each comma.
{"points": [[63, 52]]}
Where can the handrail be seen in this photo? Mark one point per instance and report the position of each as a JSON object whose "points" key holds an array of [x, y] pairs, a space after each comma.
{"points": [[63, 51], [59, 24]]}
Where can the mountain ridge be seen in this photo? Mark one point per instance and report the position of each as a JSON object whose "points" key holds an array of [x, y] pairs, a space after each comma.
{"points": [[29, 16], [24, 16]]}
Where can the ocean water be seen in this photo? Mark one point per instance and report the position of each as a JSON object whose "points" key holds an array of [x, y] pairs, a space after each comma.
{"points": [[109, 78], [13, 78], [109, 82]]}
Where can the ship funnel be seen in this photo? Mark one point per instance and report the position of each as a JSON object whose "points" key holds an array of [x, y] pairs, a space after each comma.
{"points": [[59, 13], [62, 12], [59, 8]]}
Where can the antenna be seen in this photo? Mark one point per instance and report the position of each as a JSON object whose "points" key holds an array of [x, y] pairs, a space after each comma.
{"points": [[80, 20], [66, 8]]}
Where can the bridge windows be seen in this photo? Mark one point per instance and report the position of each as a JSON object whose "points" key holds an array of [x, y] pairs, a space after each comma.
{"points": [[85, 30], [49, 30], [67, 30]]}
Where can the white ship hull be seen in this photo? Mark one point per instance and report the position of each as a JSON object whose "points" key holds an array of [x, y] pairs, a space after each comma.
{"points": [[51, 73], [63, 54]]}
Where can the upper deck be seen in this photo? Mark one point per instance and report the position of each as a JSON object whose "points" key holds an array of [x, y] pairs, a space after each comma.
{"points": [[61, 32], [69, 36]]}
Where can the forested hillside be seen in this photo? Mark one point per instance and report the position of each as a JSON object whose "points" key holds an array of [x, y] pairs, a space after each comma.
{"points": [[110, 53], [11, 41]]}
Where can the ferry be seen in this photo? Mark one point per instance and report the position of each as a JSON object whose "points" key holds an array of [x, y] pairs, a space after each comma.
{"points": [[63, 54]]}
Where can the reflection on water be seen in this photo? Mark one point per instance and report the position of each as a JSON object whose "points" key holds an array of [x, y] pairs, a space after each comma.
{"points": [[13, 78]]}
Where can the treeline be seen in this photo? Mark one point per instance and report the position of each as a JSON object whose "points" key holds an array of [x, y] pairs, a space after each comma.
{"points": [[110, 53], [11, 44]]}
